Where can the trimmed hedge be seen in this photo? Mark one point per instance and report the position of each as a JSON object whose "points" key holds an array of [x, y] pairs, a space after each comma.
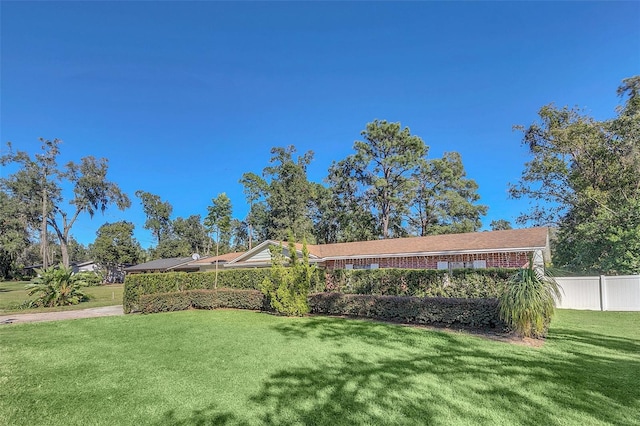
{"points": [[459, 283], [203, 299], [137, 285], [462, 297], [468, 313], [462, 283]]}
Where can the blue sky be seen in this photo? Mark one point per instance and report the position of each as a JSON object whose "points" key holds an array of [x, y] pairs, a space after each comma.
{"points": [[184, 97]]}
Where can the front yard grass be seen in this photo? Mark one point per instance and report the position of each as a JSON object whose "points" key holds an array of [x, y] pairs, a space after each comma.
{"points": [[232, 367], [13, 294]]}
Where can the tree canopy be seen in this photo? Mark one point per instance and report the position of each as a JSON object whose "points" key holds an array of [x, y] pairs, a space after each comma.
{"points": [[386, 188], [115, 246], [218, 221], [445, 200], [584, 175], [158, 214], [380, 170], [280, 201], [40, 175]]}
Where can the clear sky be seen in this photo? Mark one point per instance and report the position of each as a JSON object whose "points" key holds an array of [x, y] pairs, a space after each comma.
{"points": [[184, 97]]}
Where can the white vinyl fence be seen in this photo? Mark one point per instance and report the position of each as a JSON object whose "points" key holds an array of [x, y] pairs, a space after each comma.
{"points": [[620, 293]]}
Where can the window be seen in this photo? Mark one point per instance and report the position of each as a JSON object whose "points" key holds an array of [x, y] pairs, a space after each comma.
{"points": [[348, 266], [457, 265], [476, 264], [479, 264]]}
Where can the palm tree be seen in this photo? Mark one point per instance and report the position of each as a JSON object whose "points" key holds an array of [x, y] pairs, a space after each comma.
{"points": [[528, 300], [57, 286]]}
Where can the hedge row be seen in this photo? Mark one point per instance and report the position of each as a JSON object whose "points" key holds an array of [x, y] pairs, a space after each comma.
{"points": [[203, 299], [137, 285], [459, 283], [467, 313], [463, 283]]}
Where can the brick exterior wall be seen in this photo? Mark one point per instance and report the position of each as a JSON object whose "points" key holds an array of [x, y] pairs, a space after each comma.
{"points": [[494, 260]]}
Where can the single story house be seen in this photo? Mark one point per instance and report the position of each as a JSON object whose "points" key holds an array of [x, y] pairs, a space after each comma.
{"points": [[88, 266], [491, 249]]}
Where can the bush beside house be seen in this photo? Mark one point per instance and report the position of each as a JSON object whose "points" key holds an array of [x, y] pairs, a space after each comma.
{"points": [[463, 283], [460, 283], [203, 299], [468, 313], [471, 313], [465, 298], [137, 285]]}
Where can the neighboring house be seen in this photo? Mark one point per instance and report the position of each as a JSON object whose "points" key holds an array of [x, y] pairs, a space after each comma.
{"points": [[209, 263], [173, 264], [492, 249], [89, 266]]}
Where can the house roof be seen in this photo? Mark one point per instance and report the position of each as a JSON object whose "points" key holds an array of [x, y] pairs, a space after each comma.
{"points": [[509, 240], [160, 264], [490, 241], [220, 258], [79, 264], [247, 255]]}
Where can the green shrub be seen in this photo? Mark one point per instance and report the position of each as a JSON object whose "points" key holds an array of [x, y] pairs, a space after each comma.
{"points": [[165, 302], [203, 299], [471, 313], [528, 300], [460, 283], [56, 286], [238, 299], [91, 278], [287, 287], [136, 285]]}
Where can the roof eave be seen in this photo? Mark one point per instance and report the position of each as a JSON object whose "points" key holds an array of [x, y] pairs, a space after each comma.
{"points": [[434, 253]]}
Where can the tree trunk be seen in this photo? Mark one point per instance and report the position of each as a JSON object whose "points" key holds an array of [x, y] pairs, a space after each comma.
{"points": [[43, 228], [63, 238], [64, 250]]}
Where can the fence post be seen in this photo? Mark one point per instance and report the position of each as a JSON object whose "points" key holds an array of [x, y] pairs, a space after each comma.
{"points": [[603, 293]]}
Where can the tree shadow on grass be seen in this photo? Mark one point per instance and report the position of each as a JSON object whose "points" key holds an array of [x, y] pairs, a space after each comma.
{"points": [[211, 415], [342, 331], [454, 380], [406, 390], [620, 344]]}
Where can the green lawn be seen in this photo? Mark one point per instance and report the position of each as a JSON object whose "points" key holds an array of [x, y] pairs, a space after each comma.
{"points": [[246, 368], [13, 293]]}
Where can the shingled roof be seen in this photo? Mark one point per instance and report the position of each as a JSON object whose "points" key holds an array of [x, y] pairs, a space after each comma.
{"points": [[161, 265], [529, 239], [509, 240], [220, 258]]}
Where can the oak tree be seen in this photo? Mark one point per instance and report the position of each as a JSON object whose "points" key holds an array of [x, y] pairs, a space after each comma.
{"points": [[584, 176]]}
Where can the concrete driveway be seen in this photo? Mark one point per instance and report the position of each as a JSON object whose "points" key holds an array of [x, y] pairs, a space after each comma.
{"points": [[105, 311]]}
